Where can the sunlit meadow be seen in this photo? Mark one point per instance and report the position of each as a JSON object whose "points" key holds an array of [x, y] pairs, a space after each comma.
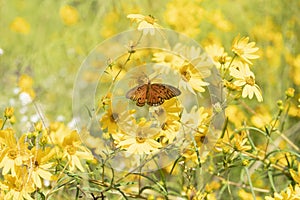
{"points": [[225, 125]]}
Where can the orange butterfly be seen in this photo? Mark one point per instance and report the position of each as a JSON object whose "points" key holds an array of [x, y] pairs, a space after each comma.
{"points": [[153, 94]]}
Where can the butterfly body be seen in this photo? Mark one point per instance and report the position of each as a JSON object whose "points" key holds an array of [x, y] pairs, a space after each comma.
{"points": [[153, 94]]}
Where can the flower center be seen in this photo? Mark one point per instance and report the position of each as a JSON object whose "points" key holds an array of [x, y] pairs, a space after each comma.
{"points": [[18, 186], [12, 154], [71, 150], [114, 117], [168, 58], [36, 164], [250, 80], [221, 59], [186, 76], [150, 19], [139, 137]]}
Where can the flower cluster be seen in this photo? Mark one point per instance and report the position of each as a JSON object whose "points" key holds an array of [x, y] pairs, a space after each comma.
{"points": [[173, 122], [38, 157]]}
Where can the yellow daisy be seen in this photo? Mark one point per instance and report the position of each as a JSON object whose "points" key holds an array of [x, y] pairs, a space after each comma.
{"points": [[169, 110], [74, 152], [13, 153], [18, 187], [191, 79], [218, 55], [39, 166], [146, 24], [116, 118], [245, 77], [246, 51], [141, 139], [69, 15], [166, 61]]}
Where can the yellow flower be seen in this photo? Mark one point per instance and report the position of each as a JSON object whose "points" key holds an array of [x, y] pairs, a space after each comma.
{"points": [[69, 15], [58, 131], [169, 110], [290, 92], [239, 142], [295, 69], [20, 25], [290, 194], [18, 187], [191, 79], [216, 18], [246, 51], [246, 78], [184, 16], [214, 185], [140, 139], [13, 153], [117, 118], [246, 195], [170, 129], [168, 115], [8, 112], [39, 165], [108, 21], [295, 175], [194, 119], [167, 59], [218, 55], [147, 24], [25, 84], [262, 117], [73, 151]]}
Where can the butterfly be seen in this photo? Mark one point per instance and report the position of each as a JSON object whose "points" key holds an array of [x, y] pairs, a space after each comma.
{"points": [[153, 94]]}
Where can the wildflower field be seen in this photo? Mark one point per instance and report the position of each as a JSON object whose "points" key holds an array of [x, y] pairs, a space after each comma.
{"points": [[150, 99]]}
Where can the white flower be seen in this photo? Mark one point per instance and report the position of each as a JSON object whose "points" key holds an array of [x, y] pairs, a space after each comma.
{"points": [[25, 98]]}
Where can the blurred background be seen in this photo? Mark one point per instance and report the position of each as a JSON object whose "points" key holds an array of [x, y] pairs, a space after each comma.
{"points": [[48, 41]]}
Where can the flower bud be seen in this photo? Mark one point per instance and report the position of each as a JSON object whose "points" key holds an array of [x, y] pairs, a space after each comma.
{"points": [[245, 162], [290, 92], [38, 126], [279, 103], [9, 112]]}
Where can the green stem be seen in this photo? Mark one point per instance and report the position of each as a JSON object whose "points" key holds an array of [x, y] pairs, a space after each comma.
{"points": [[250, 183], [4, 123]]}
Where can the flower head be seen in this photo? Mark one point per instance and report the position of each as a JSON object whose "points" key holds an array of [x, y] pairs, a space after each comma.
{"points": [[147, 24], [191, 79], [26, 85], [13, 152], [246, 51], [69, 15], [74, 151], [290, 193], [168, 59], [20, 25], [140, 139], [18, 187], [245, 77], [40, 166], [218, 55], [115, 118], [239, 142]]}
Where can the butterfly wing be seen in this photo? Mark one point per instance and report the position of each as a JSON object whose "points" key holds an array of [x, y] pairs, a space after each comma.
{"points": [[158, 93], [138, 94]]}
